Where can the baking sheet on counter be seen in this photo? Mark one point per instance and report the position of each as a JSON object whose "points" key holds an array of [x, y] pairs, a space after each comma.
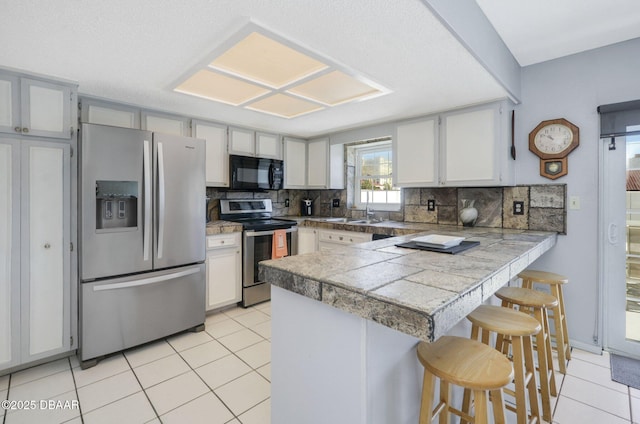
{"points": [[465, 245]]}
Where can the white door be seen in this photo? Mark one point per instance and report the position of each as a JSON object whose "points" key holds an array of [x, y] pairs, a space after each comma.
{"points": [[9, 253], [45, 202], [620, 230]]}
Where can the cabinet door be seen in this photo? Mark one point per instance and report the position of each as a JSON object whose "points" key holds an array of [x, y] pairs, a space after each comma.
{"points": [[415, 153], [241, 142], [470, 146], [46, 109], [268, 146], [307, 240], [295, 163], [45, 226], [10, 253], [217, 162], [165, 124], [103, 113], [317, 166], [9, 104], [336, 167], [224, 276]]}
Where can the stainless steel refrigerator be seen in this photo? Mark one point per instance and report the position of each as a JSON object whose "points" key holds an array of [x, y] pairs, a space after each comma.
{"points": [[142, 233]]}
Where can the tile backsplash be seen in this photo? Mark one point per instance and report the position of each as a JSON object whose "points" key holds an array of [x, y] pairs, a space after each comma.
{"points": [[544, 205]]}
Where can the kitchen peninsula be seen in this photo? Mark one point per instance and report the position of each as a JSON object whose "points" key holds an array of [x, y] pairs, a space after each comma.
{"points": [[345, 323]]}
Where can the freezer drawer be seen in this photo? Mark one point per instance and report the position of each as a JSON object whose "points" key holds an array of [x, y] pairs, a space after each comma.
{"points": [[124, 312]]}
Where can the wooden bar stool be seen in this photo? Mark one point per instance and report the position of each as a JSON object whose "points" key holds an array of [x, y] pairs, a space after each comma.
{"points": [[537, 302], [555, 282], [518, 328], [468, 364]]}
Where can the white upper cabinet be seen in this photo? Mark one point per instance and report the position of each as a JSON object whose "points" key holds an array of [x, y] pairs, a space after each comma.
{"points": [[268, 146], [34, 107], [465, 147], [242, 142], [112, 114], [295, 163], [336, 167], [472, 146], [415, 148], [166, 124], [317, 163], [217, 159]]}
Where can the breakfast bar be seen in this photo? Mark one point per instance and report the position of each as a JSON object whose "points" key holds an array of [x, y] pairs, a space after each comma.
{"points": [[346, 322]]}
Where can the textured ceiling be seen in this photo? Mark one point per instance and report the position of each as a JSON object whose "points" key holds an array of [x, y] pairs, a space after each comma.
{"points": [[133, 51], [541, 30]]}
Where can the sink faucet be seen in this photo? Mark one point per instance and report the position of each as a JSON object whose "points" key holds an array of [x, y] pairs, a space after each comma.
{"points": [[368, 212]]}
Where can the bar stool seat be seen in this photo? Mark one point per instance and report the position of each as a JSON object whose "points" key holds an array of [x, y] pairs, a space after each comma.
{"points": [[532, 301], [518, 328], [555, 282], [468, 364]]}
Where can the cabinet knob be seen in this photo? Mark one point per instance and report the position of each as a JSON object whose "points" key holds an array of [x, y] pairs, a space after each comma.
{"points": [[17, 129], [221, 241], [47, 245], [351, 240], [340, 238], [25, 130]]}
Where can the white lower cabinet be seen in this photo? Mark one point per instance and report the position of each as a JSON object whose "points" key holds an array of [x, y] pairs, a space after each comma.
{"points": [[224, 270], [329, 239], [35, 268], [307, 240]]}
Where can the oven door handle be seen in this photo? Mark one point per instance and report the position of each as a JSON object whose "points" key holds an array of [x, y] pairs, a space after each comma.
{"points": [[267, 233]]}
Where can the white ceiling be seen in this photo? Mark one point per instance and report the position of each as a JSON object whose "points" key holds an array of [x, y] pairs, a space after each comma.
{"points": [[135, 51], [541, 30]]}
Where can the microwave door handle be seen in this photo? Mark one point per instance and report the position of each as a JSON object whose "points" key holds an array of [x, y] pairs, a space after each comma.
{"points": [[271, 175], [161, 200], [146, 225]]}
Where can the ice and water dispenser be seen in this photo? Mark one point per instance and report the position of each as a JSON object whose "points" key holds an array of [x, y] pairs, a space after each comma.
{"points": [[116, 205]]}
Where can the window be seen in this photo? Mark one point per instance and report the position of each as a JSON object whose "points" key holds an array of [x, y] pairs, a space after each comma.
{"points": [[374, 177]]}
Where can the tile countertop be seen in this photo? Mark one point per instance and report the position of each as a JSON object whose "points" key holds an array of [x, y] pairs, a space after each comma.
{"points": [[416, 292], [222, 227]]}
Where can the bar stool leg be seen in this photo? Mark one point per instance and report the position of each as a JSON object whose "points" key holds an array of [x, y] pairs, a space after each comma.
{"points": [[481, 411], [445, 395], [519, 374], [497, 400], [530, 368], [565, 330], [426, 404], [543, 367], [560, 324]]}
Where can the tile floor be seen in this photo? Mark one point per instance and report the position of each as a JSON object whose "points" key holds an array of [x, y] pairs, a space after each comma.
{"points": [[222, 376]]}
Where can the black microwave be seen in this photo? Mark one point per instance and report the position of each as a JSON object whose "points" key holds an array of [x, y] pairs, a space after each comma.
{"points": [[247, 173]]}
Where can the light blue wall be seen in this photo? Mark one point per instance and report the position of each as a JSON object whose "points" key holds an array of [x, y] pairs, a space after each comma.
{"points": [[573, 87]]}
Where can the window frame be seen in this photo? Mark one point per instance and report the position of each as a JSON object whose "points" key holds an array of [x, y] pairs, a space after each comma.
{"points": [[378, 146]]}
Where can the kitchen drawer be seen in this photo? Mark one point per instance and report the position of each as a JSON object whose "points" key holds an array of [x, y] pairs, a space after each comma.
{"points": [[224, 240], [344, 237]]}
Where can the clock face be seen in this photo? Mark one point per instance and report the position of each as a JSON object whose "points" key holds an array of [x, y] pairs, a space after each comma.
{"points": [[553, 139]]}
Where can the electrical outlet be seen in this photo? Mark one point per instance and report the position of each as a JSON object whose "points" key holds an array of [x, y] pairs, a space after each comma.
{"points": [[518, 207], [286, 203], [336, 203], [431, 205]]}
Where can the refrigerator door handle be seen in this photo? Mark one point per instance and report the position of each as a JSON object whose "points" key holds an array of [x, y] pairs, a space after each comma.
{"points": [[161, 199], [146, 281], [146, 164]]}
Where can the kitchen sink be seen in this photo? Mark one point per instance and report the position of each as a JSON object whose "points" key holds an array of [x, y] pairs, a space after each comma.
{"points": [[336, 220], [349, 220]]}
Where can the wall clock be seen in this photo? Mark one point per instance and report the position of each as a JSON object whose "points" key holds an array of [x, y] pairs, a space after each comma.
{"points": [[552, 141]]}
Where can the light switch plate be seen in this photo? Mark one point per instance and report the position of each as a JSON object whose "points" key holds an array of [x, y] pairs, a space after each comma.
{"points": [[574, 202]]}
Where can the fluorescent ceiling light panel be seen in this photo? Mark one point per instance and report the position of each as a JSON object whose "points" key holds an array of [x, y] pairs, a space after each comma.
{"points": [[215, 86], [261, 59], [334, 88], [283, 105]]}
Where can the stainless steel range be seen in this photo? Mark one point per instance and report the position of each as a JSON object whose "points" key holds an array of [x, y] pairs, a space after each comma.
{"points": [[258, 229]]}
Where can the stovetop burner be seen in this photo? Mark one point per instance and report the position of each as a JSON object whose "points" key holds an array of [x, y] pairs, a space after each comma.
{"points": [[253, 214]]}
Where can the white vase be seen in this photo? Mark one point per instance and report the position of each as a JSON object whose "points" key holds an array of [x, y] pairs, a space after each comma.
{"points": [[468, 214]]}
